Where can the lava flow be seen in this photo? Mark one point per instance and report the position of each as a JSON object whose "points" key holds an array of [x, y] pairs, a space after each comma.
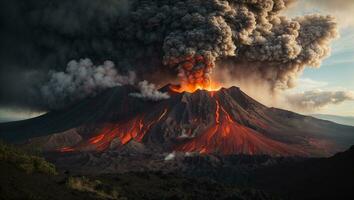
{"points": [[134, 129], [227, 136]]}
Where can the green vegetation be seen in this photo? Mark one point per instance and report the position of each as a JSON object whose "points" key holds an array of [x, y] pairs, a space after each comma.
{"points": [[84, 184], [23, 161]]}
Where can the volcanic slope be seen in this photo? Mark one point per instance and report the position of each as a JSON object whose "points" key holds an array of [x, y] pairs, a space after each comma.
{"points": [[224, 122]]}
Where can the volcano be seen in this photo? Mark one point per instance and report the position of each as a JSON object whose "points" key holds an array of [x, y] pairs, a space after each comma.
{"points": [[225, 122]]}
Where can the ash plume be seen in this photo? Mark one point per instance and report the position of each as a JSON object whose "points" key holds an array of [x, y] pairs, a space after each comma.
{"points": [[81, 79], [150, 92], [316, 99], [185, 39], [342, 10]]}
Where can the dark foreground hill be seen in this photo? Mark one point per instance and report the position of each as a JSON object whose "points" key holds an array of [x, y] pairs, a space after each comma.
{"points": [[19, 180], [316, 178], [313, 178]]}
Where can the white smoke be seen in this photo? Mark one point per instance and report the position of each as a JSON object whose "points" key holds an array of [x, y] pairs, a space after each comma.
{"points": [[81, 79], [170, 156], [313, 100], [150, 92]]}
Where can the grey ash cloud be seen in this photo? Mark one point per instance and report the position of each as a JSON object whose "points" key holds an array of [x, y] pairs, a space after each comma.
{"points": [[81, 79], [182, 39]]}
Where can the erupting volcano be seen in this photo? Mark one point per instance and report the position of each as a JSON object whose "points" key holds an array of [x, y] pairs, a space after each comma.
{"points": [[155, 99], [220, 127], [113, 104], [224, 122]]}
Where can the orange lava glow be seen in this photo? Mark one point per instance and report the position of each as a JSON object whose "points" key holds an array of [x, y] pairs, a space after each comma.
{"points": [[227, 136], [134, 129], [66, 149], [187, 87], [96, 139]]}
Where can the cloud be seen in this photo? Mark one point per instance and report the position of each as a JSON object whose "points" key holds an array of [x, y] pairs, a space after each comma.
{"points": [[313, 100]]}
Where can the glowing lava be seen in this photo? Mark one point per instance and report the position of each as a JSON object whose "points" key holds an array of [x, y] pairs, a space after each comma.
{"points": [[187, 87], [134, 129], [66, 149]]}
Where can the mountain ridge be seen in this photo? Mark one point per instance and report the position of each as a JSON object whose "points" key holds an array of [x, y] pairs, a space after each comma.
{"points": [[345, 120]]}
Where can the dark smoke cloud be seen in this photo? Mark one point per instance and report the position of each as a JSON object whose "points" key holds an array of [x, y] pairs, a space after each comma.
{"points": [[280, 56], [185, 38], [316, 99]]}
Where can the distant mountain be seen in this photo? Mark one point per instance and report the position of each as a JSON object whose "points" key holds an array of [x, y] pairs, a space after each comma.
{"points": [[345, 120]]}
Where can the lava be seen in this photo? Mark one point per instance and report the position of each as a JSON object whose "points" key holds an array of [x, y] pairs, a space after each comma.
{"points": [[96, 139], [217, 110], [134, 129], [187, 87], [66, 149]]}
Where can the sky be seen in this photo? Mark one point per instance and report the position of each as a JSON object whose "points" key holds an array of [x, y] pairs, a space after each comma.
{"points": [[337, 71]]}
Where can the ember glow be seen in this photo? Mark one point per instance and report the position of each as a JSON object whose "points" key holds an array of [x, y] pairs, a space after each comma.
{"points": [[187, 87]]}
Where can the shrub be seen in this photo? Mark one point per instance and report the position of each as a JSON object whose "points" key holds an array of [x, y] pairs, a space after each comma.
{"points": [[28, 163], [95, 187]]}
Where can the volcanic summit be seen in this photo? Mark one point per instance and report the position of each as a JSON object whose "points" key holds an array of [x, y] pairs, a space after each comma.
{"points": [[225, 121]]}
